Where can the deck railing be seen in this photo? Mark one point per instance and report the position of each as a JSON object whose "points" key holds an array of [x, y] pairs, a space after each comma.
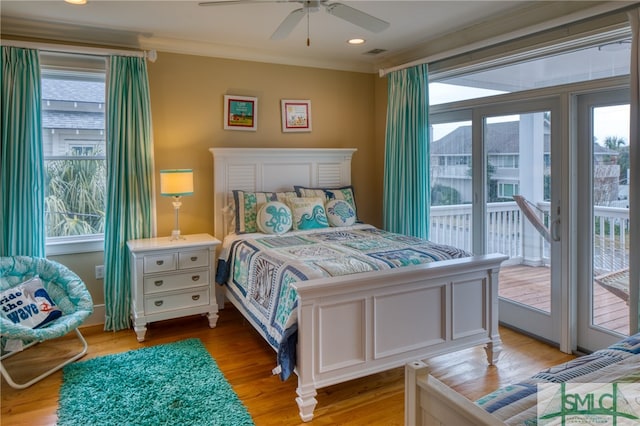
{"points": [[507, 233]]}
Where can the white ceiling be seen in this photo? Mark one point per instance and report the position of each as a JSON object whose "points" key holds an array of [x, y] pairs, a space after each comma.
{"points": [[243, 31]]}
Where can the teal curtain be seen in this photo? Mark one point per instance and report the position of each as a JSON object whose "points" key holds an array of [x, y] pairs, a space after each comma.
{"points": [[129, 210], [22, 229], [634, 157], [406, 191]]}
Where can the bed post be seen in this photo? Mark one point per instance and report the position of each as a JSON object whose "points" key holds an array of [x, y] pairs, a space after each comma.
{"points": [[494, 347], [413, 372], [304, 363]]}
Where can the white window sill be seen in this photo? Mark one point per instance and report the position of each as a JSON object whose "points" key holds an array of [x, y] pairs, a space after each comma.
{"points": [[74, 245]]}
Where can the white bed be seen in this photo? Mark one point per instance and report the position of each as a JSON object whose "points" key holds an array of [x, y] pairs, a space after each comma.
{"points": [[394, 316]]}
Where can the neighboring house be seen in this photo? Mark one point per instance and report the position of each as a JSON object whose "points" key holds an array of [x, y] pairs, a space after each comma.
{"points": [[451, 163]]}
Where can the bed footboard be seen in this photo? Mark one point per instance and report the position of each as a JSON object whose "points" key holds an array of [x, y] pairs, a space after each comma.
{"points": [[429, 402], [361, 324]]}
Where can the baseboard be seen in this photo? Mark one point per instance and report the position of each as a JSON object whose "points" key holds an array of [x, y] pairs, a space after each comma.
{"points": [[97, 317]]}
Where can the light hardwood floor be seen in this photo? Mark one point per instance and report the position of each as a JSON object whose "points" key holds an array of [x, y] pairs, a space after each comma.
{"points": [[246, 361]]}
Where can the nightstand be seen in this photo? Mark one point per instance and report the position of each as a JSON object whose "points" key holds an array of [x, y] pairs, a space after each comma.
{"points": [[171, 279]]}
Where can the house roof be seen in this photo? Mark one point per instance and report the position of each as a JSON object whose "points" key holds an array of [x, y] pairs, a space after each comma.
{"points": [[72, 120], [501, 138], [63, 113], [73, 90]]}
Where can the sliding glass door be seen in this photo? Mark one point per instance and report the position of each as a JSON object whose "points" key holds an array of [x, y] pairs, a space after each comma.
{"points": [[522, 191], [517, 178], [492, 192]]}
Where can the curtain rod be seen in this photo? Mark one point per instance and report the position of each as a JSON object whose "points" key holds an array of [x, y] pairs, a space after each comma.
{"points": [[544, 26], [151, 55]]}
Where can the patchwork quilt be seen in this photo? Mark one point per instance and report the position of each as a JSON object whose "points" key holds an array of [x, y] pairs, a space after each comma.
{"points": [[517, 404], [260, 268]]}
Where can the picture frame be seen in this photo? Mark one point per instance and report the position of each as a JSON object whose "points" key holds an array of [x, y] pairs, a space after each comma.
{"points": [[240, 113], [296, 115]]}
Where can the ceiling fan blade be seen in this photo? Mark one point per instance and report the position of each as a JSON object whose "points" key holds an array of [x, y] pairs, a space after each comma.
{"points": [[222, 2], [288, 24], [357, 17], [234, 2]]}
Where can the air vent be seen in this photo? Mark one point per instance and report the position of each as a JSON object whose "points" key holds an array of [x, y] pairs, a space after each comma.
{"points": [[375, 51]]}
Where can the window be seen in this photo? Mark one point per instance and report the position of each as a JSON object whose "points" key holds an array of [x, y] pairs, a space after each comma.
{"points": [[538, 68], [507, 190], [73, 121], [450, 178], [557, 136], [505, 161]]}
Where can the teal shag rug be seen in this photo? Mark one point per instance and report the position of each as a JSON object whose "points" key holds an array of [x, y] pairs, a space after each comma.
{"points": [[173, 384]]}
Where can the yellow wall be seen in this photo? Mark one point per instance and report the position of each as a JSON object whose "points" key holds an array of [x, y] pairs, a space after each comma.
{"points": [[348, 111], [84, 265], [187, 108]]}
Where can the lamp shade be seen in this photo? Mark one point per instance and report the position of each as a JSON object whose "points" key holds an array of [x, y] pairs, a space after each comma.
{"points": [[176, 182]]}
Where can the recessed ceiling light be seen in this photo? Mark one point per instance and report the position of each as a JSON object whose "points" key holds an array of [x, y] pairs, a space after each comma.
{"points": [[76, 1], [356, 41]]}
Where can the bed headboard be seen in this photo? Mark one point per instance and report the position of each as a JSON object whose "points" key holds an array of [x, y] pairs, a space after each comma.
{"points": [[274, 169]]}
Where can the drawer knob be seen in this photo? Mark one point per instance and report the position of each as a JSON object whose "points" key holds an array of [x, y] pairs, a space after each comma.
{"points": [[194, 258], [195, 277], [195, 297], [158, 283], [159, 262], [159, 302]]}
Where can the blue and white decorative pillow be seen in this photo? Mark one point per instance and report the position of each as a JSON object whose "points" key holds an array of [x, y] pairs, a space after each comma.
{"points": [[308, 213], [28, 304], [274, 217], [340, 213], [246, 207], [342, 193]]}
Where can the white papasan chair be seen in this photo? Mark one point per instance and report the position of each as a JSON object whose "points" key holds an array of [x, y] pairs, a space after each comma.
{"points": [[66, 290]]}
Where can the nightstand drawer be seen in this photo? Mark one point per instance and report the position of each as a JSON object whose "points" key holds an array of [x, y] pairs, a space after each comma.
{"points": [[160, 263], [193, 259], [169, 302], [176, 281]]}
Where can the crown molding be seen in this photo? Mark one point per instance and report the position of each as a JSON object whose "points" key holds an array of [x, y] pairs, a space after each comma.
{"points": [[190, 47]]}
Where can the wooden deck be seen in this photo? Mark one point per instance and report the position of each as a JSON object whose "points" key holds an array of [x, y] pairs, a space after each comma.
{"points": [[530, 285]]}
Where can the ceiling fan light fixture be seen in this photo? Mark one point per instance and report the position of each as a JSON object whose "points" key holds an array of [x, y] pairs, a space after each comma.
{"points": [[356, 41], [312, 5]]}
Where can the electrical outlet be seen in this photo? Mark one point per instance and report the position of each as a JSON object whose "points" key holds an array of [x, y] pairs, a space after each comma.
{"points": [[99, 272]]}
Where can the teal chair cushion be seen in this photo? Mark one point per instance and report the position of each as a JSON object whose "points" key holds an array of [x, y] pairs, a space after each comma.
{"points": [[66, 289]]}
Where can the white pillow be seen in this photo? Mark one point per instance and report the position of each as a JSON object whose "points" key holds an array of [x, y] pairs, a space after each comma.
{"points": [[340, 213], [28, 304], [274, 217]]}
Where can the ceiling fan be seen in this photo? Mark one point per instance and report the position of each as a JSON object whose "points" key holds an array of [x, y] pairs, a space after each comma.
{"points": [[340, 10]]}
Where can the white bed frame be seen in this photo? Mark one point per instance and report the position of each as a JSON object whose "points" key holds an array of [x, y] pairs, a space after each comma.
{"points": [[429, 402], [356, 325]]}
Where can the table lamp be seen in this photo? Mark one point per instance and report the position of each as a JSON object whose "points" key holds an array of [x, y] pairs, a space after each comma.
{"points": [[176, 183]]}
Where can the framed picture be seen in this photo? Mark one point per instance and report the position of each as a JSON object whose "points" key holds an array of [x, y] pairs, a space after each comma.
{"points": [[296, 116], [240, 113]]}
